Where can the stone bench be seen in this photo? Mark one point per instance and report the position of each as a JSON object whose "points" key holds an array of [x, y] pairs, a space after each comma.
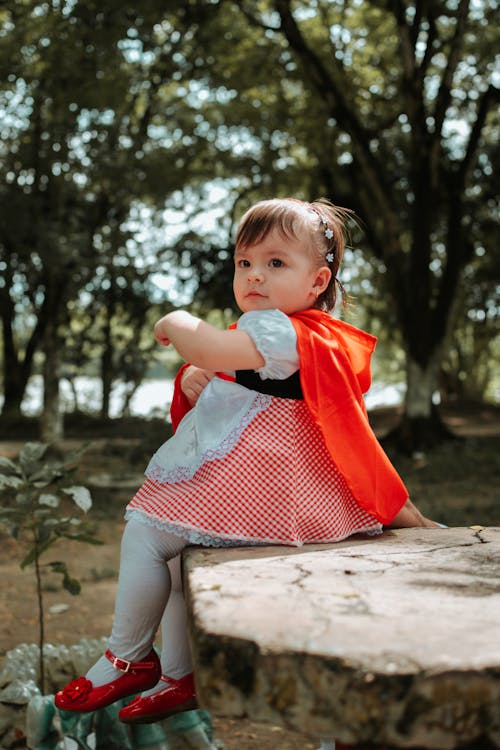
{"points": [[392, 639]]}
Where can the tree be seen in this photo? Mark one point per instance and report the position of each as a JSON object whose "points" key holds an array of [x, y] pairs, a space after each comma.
{"points": [[389, 108], [385, 106], [85, 139]]}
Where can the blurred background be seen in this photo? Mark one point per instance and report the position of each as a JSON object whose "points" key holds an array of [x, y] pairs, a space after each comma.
{"points": [[134, 135]]}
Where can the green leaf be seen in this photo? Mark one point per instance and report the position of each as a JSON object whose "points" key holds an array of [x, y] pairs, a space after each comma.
{"points": [[31, 453], [40, 483], [24, 498], [69, 583], [45, 475], [81, 497], [51, 500], [41, 514], [44, 532], [6, 465], [37, 552], [11, 482], [58, 566], [72, 585], [29, 559]]}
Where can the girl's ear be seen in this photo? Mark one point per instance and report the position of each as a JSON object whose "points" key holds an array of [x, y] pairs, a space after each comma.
{"points": [[322, 280]]}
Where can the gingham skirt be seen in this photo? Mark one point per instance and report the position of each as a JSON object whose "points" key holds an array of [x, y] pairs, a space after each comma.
{"points": [[277, 485]]}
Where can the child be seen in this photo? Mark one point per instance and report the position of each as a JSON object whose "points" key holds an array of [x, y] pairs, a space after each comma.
{"points": [[277, 448]]}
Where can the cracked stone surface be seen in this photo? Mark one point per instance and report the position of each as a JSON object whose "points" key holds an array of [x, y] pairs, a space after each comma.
{"points": [[392, 639]]}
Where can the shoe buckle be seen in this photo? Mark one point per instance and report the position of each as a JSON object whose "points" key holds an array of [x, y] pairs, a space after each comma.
{"points": [[122, 664]]}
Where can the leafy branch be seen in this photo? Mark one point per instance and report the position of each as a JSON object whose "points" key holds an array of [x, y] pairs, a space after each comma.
{"points": [[32, 488]]}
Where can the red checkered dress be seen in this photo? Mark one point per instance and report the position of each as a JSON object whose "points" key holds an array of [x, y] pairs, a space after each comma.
{"points": [[276, 485]]}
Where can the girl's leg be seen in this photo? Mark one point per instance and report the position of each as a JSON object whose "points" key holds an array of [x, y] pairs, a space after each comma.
{"points": [[175, 652], [144, 584]]}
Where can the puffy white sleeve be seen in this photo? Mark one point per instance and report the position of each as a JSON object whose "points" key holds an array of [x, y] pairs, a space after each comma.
{"points": [[274, 336]]}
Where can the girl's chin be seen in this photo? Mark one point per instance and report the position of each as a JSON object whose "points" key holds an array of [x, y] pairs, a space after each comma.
{"points": [[255, 303]]}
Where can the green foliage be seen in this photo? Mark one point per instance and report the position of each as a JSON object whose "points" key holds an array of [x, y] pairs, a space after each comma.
{"points": [[113, 113], [87, 160], [389, 109], [34, 490]]}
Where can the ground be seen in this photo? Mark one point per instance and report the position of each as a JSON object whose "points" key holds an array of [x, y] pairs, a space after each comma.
{"points": [[455, 484]]}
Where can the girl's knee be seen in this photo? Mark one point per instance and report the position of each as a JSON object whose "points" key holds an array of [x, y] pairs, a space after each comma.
{"points": [[143, 538]]}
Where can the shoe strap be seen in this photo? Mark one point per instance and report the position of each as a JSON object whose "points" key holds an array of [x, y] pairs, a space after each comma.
{"points": [[124, 666], [167, 679], [174, 680]]}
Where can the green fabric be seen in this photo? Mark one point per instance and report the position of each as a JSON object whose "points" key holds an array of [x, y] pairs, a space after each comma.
{"points": [[48, 726]]}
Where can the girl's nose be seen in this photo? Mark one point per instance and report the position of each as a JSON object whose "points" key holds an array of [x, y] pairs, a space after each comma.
{"points": [[255, 274]]}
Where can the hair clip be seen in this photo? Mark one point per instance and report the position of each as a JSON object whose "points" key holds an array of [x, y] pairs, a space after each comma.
{"points": [[328, 233], [330, 257]]}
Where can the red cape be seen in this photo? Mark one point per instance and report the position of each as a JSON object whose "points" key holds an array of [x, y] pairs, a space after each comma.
{"points": [[334, 374], [180, 405]]}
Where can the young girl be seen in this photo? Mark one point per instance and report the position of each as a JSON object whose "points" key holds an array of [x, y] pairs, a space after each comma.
{"points": [[276, 448]]}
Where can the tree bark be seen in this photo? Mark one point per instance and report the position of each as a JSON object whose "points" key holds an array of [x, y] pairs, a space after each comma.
{"points": [[16, 368], [421, 386], [421, 426], [106, 368], [51, 421]]}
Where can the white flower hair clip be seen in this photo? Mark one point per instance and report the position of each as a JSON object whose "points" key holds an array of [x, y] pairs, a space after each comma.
{"points": [[328, 231]]}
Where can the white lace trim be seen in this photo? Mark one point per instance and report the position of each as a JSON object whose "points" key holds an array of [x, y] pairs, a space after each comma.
{"points": [[182, 473], [207, 538]]}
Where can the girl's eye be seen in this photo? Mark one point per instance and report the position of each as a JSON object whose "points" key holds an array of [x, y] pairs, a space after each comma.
{"points": [[243, 263], [276, 263]]}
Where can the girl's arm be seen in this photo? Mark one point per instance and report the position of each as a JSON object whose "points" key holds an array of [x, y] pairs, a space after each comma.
{"points": [[205, 346]]}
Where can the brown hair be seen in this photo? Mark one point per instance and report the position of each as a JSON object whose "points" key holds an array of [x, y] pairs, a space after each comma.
{"points": [[328, 231]]}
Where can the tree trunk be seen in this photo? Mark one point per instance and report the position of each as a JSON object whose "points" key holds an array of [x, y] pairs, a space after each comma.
{"points": [[14, 389], [16, 369], [106, 368], [51, 421], [107, 372], [422, 383], [421, 426]]}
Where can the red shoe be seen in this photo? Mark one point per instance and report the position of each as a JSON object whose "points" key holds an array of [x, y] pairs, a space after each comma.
{"points": [[80, 695], [177, 696]]}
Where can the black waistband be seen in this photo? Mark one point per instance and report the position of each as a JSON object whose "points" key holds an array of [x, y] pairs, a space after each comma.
{"points": [[287, 388]]}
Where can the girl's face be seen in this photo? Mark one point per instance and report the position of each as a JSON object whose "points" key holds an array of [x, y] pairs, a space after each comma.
{"points": [[278, 273]]}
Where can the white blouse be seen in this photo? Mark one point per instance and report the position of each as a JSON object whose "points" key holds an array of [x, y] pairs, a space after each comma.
{"points": [[213, 426]]}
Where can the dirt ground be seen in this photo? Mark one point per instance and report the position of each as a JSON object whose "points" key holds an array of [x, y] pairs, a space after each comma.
{"points": [[455, 484]]}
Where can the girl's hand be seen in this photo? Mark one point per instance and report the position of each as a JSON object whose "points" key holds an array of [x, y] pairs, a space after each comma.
{"points": [[160, 335], [409, 516], [193, 381]]}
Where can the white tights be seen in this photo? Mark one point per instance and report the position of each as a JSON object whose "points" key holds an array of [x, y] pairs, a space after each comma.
{"points": [[149, 592]]}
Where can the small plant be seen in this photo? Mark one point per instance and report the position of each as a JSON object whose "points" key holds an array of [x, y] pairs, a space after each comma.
{"points": [[32, 489]]}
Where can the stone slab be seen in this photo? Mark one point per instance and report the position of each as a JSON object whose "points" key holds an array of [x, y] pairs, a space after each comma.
{"points": [[392, 639]]}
